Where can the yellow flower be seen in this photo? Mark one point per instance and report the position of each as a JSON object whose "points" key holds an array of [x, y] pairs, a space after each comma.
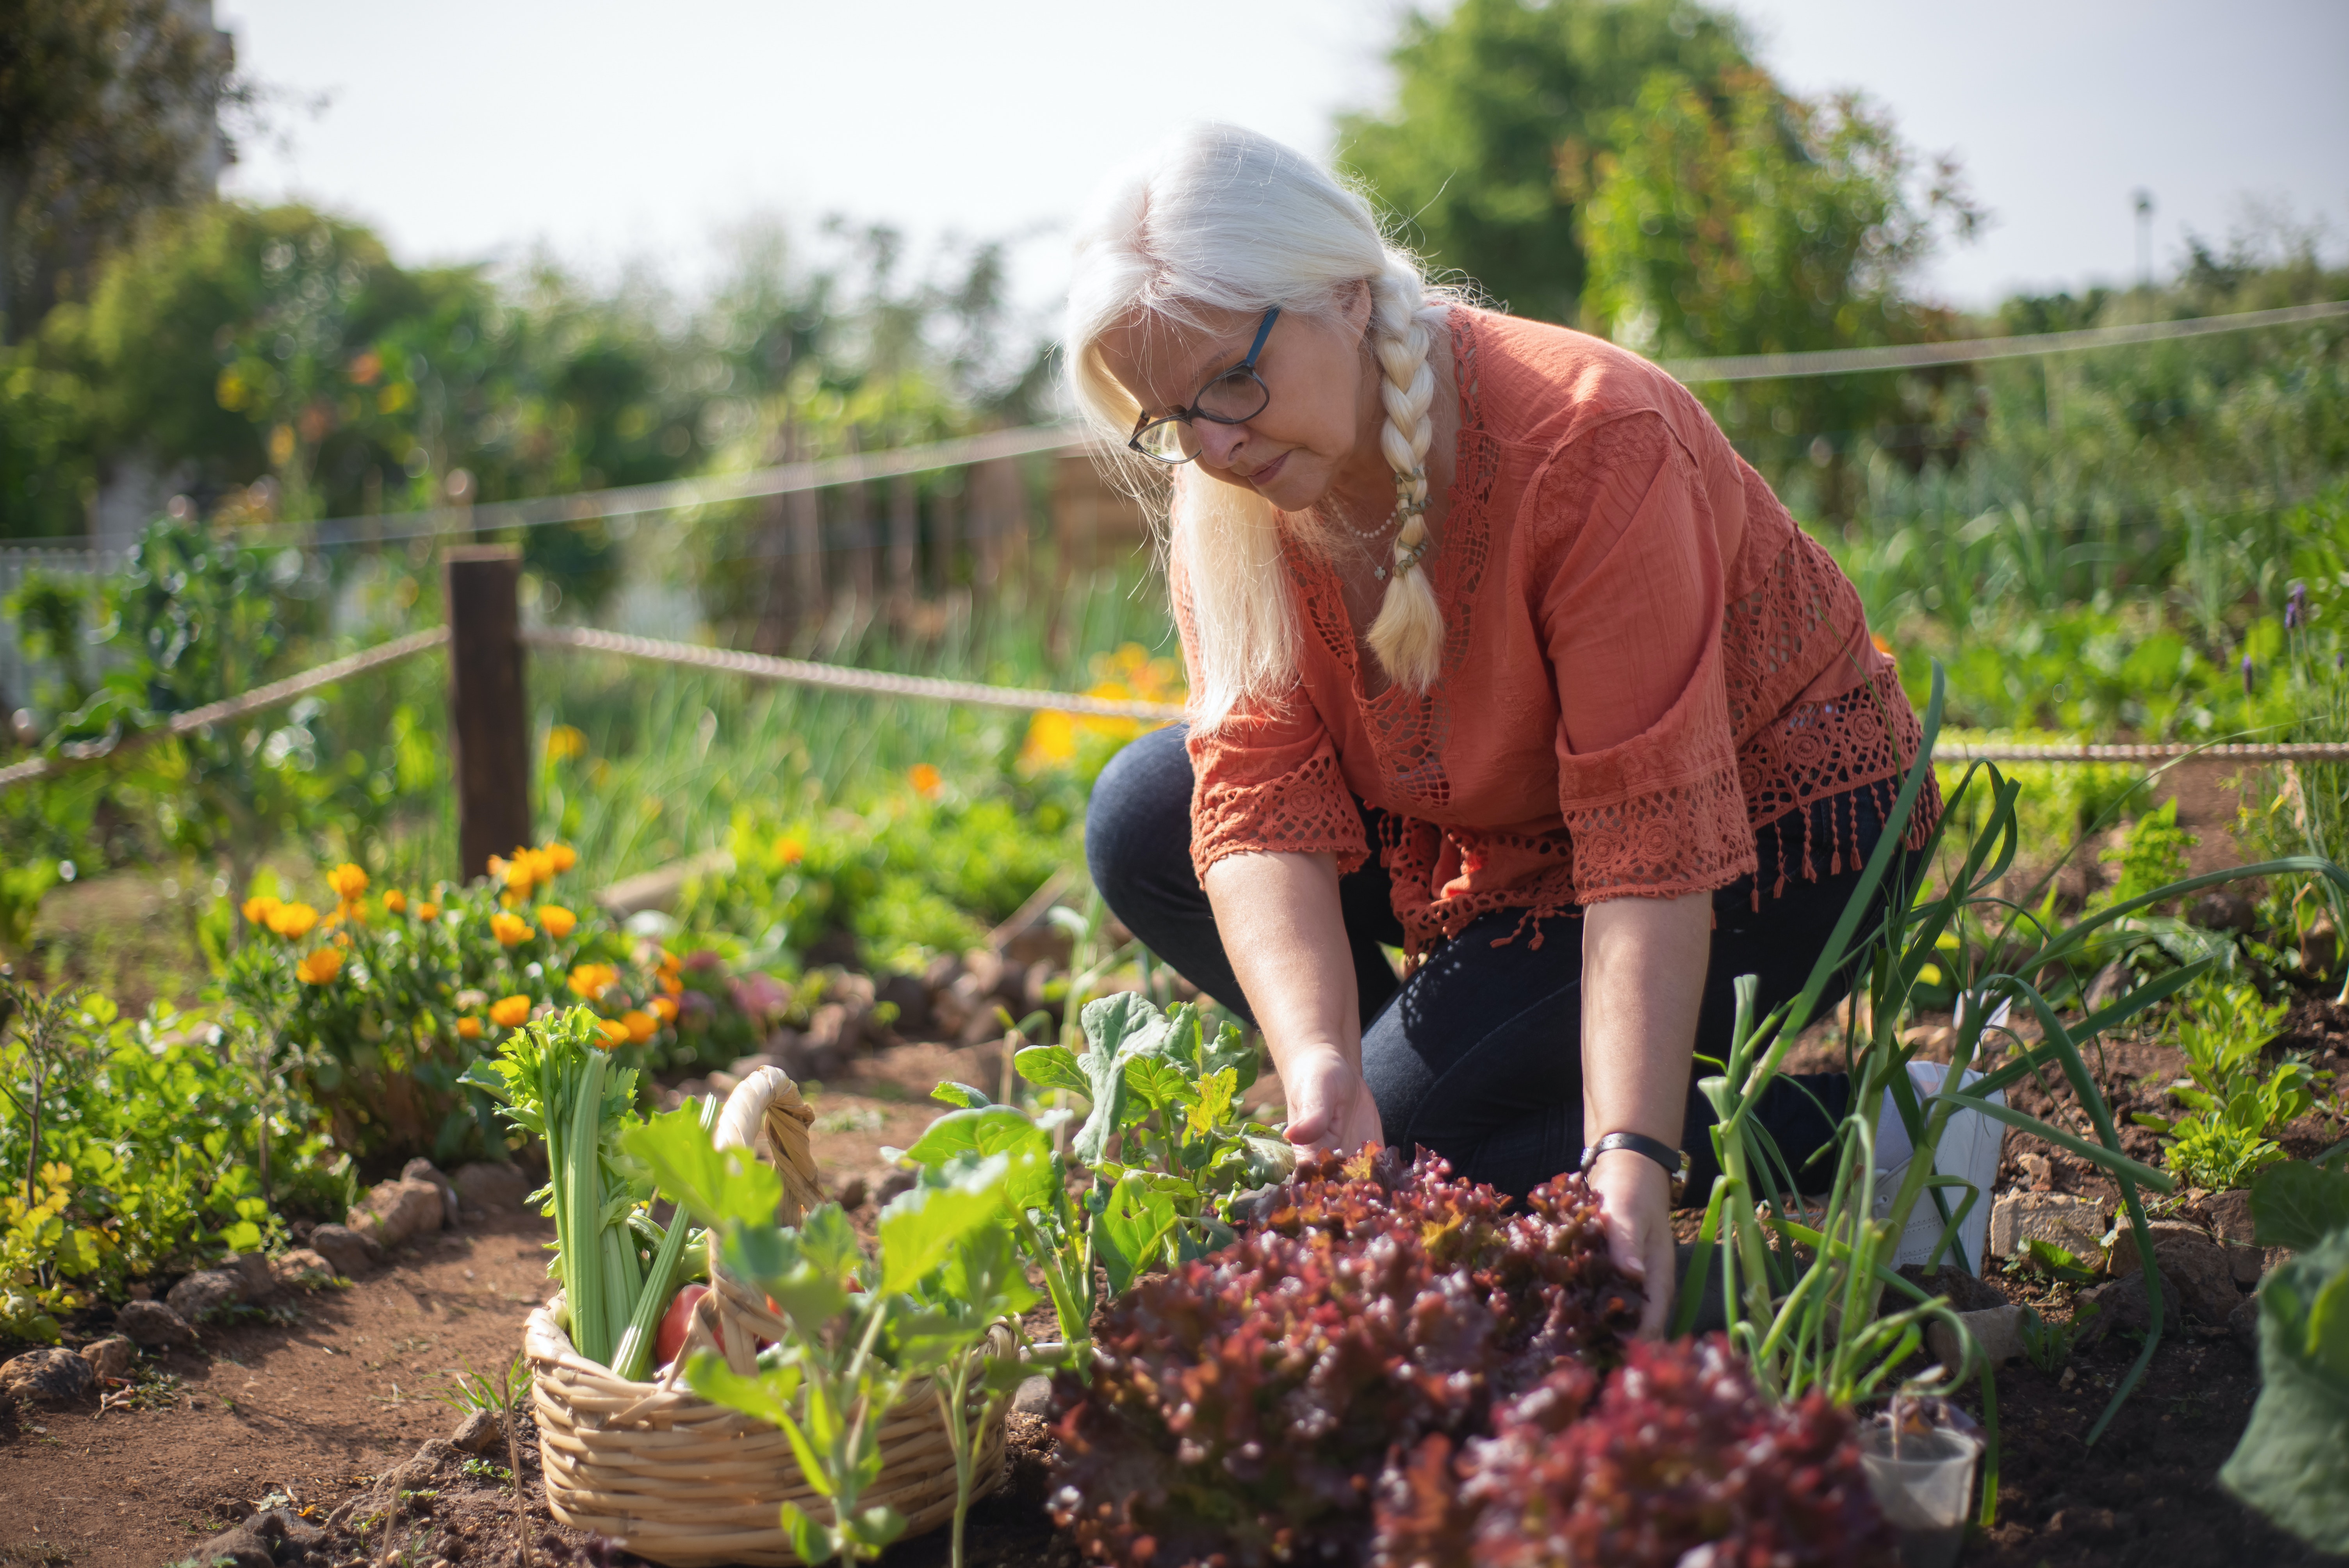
{"points": [[589, 980], [641, 1027], [320, 967], [665, 1009], [925, 778], [259, 908], [348, 881], [565, 741], [789, 851], [510, 1012], [469, 1028], [615, 1032], [560, 857], [556, 921], [396, 902], [508, 930], [1051, 740], [428, 909], [292, 921]]}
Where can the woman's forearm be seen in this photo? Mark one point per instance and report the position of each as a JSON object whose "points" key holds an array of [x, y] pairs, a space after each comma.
{"points": [[1283, 930], [1643, 966]]}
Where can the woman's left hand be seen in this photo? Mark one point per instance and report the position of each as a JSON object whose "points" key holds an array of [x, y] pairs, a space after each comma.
{"points": [[1637, 1199]]}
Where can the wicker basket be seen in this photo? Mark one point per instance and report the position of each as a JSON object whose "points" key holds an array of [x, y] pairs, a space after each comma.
{"points": [[688, 1483]]}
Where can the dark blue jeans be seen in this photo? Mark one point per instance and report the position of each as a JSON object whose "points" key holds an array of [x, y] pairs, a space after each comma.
{"points": [[1478, 1056]]}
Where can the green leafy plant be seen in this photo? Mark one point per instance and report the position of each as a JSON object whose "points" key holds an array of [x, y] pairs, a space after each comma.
{"points": [[2048, 1346], [2232, 1104], [2293, 1463]]}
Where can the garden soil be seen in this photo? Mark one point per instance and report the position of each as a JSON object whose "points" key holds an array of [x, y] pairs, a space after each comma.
{"points": [[339, 1405]]}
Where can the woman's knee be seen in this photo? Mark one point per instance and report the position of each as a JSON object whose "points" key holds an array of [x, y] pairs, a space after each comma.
{"points": [[1138, 820]]}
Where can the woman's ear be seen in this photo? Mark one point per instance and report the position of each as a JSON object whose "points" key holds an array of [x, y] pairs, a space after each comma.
{"points": [[1354, 305]]}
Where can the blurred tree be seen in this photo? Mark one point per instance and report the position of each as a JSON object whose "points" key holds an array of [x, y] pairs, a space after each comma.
{"points": [[108, 110], [1735, 219], [1499, 107]]}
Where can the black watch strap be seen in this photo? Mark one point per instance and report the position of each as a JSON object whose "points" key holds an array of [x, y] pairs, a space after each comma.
{"points": [[1675, 1161]]}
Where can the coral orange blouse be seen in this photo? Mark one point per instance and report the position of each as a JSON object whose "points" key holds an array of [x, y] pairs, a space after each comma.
{"points": [[1646, 664]]}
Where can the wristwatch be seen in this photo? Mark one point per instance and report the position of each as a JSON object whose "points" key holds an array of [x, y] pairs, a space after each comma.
{"points": [[1675, 1161]]}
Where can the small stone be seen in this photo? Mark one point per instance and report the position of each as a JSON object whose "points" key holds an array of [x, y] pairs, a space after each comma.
{"points": [[2244, 1323], [892, 1184], [832, 1034], [303, 1268], [1034, 1397], [2230, 1222], [480, 1432], [401, 1209], [912, 1000], [493, 1184], [349, 1252], [2038, 1169], [152, 1325], [2200, 1268], [206, 1292], [1998, 1330], [111, 1358], [51, 1375], [2320, 947], [2057, 1218], [260, 1282], [2081, 1522], [2224, 908], [2122, 1305], [853, 1193], [425, 1171]]}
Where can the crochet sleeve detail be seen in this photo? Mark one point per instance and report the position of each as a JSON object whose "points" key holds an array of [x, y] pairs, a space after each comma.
{"points": [[1648, 768]]}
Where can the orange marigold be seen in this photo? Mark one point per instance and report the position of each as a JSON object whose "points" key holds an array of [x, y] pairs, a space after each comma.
{"points": [[641, 1027], [396, 902], [560, 857], [510, 1012], [469, 1028], [347, 881], [428, 909], [589, 981], [665, 1009], [556, 921], [320, 967], [925, 778], [259, 908], [509, 931], [615, 1032], [292, 920]]}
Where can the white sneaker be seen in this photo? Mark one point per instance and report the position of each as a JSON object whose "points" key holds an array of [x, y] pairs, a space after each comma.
{"points": [[1970, 1148]]}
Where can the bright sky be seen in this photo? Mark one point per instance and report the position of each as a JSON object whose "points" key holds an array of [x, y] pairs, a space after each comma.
{"points": [[612, 134]]}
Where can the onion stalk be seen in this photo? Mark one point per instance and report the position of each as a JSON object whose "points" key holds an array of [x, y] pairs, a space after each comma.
{"points": [[632, 1359]]}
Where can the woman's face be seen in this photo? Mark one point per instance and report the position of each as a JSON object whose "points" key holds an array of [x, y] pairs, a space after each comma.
{"points": [[1316, 369]]}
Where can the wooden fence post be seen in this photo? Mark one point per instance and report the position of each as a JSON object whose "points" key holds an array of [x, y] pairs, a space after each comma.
{"points": [[489, 722]]}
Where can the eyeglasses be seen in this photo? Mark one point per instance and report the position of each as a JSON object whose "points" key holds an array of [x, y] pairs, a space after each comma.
{"points": [[1234, 397]]}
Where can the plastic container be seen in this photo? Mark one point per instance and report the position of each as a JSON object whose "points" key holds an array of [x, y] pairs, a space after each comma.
{"points": [[1923, 1479]]}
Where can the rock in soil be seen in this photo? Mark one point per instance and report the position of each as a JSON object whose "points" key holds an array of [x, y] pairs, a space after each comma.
{"points": [[302, 1268], [2230, 1223], [53, 1377], [111, 1358], [351, 1254], [2122, 1305], [260, 1282], [2059, 1219], [1998, 1330], [2198, 1267], [1967, 1292], [264, 1541], [205, 1293], [152, 1325], [480, 1432], [491, 1184], [396, 1211], [425, 1171]]}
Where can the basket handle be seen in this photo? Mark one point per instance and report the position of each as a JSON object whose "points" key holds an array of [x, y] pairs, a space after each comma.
{"points": [[766, 1115]]}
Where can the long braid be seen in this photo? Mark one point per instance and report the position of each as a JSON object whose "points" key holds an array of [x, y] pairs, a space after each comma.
{"points": [[1408, 635]]}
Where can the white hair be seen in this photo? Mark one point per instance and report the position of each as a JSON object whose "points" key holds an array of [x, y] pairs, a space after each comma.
{"points": [[1222, 219]]}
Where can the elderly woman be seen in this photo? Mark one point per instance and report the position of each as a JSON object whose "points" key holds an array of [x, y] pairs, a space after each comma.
{"points": [[1500, 654]]}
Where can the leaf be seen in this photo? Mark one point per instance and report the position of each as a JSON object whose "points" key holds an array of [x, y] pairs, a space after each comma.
{"points": [[717, 1186], [811, 1295], [2297, 1205], [763, 1397], [2293, 1464], [926, 1221], [960, 1094], [2057, 1262], [1131, 1229], [1051, 1067], [877, 1526], [1161, 1084], [997, 1129], [1232, 1050], [1122, 1029], [812, 1542], [1213, 1108]]}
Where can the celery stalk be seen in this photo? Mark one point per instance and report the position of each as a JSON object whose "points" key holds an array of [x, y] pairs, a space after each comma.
{"points": [[633, 1359], [582, 1254]]}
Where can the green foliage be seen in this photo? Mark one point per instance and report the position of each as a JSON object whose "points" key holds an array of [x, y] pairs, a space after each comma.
{"points": [[132, 1147], [2153, 855], [2233, 1105], [1499, 108], [2293, 1463], [2298, 1204], [2048, 1346]]}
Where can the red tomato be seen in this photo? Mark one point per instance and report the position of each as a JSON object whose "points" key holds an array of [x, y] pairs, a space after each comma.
{"points": [[674, 1323]]}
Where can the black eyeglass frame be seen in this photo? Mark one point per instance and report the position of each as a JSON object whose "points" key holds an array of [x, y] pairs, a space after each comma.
{"points": [[1144, 424]]}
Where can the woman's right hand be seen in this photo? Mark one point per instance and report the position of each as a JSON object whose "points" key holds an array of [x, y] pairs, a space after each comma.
{"points": [[1329, 1105]]}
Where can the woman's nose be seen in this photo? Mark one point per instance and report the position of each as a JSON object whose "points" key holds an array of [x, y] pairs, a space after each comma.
{"points": [[1218, 444]]}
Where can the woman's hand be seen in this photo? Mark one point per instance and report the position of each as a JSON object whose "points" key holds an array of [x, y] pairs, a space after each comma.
{"points": [[1330, 1106], [1637, 1197]]}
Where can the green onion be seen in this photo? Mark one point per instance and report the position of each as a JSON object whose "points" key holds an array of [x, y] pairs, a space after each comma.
{"points": [[633, 1359]]}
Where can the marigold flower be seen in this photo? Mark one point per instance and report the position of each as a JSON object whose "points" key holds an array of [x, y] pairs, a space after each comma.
{"points": [[347, 881], [292, 921], [925, 778], [510, 931], [560, 857], [789, 851], [670, 983], [510, 1012], [615, 1032], [565, 741], [665, 1009], [641, 1027], [469, 1028], [259, 908], [589, 981], [428, 909], [556, 921], [320, 967], [396, 902]]}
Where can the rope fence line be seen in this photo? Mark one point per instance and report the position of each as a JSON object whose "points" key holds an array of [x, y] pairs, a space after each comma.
{"points": [[231, 707], [878, 682]]}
